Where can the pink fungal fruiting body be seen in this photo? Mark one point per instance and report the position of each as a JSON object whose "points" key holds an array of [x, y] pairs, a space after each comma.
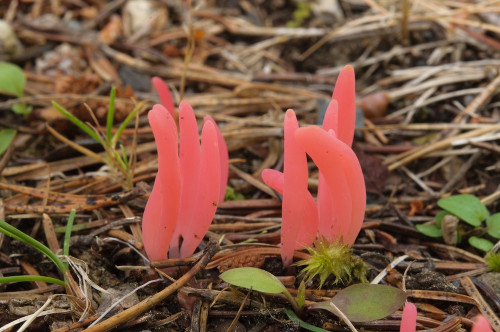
{"points": [[409, 318], [341, 201], [409, 321], [481, 324], [190, 183], [301, 224]]}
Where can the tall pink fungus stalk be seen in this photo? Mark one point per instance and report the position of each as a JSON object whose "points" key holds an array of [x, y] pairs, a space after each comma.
{"points": [[409, 319], [162, 209], [481, 324], [341, 201], [300, 224], [197, 178], [340, 117]]}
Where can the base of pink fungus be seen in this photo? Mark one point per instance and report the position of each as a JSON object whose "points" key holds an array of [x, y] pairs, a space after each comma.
{"points": [[409, 318]]}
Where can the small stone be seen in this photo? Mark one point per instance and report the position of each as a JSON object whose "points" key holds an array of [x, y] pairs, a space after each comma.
{"points": [[492, 279]]}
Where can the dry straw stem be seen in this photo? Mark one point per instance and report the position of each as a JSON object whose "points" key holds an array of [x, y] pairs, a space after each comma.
{"points": [[481, 304], [151, 301], [416, 153]]}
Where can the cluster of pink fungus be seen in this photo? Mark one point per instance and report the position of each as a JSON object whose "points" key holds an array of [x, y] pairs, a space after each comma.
{"points": [[191, 179], [338, 212], [190, 182]]}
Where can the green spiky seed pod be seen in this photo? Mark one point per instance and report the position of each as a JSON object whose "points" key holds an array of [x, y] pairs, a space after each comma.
{"points": [[332, 259]]}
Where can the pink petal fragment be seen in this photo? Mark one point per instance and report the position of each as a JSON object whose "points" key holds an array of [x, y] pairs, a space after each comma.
{"points": [[308, 229], [338, 164], [409, 319], [481, 324], [294, 189], [345, 95], [162, 209], [164, 94], [207, 197], [224, 159], [189, 157]]}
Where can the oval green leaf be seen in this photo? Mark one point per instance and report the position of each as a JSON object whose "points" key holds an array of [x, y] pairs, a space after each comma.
{"points": [[12, 79], [493, 223], [481, 244], [6, 137], [430, 230], [466, 207], [255, 279], [365, 302]]}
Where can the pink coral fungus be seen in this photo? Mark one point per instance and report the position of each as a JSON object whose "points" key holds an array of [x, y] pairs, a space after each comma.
{"points": [[481, 324], [409, 318], [190, 183], [341, 201]]}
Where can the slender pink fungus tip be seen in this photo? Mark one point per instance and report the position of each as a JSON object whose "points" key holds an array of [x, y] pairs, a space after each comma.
{"points": [[481, 324], [223, 158], [164, 93], [409, 319], [345, 94]]}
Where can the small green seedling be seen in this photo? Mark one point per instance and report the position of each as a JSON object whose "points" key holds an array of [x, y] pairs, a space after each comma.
{"points": [[116, 159], [12, 82], [359, 303], [18, 235], [469, 209]]}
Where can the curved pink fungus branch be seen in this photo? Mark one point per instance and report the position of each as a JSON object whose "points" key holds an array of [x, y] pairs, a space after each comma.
{"points": [[162, 209], [409, 318], [328, 225], [481, 324], [328, 152], [190, 182]]}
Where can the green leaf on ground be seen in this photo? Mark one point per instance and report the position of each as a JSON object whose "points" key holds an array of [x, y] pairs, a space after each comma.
{"points": [[493, 223], [365, 302], [466, 207], [481, 244], [255, 279], [12, 79], [22, 109], [430, 230]]}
